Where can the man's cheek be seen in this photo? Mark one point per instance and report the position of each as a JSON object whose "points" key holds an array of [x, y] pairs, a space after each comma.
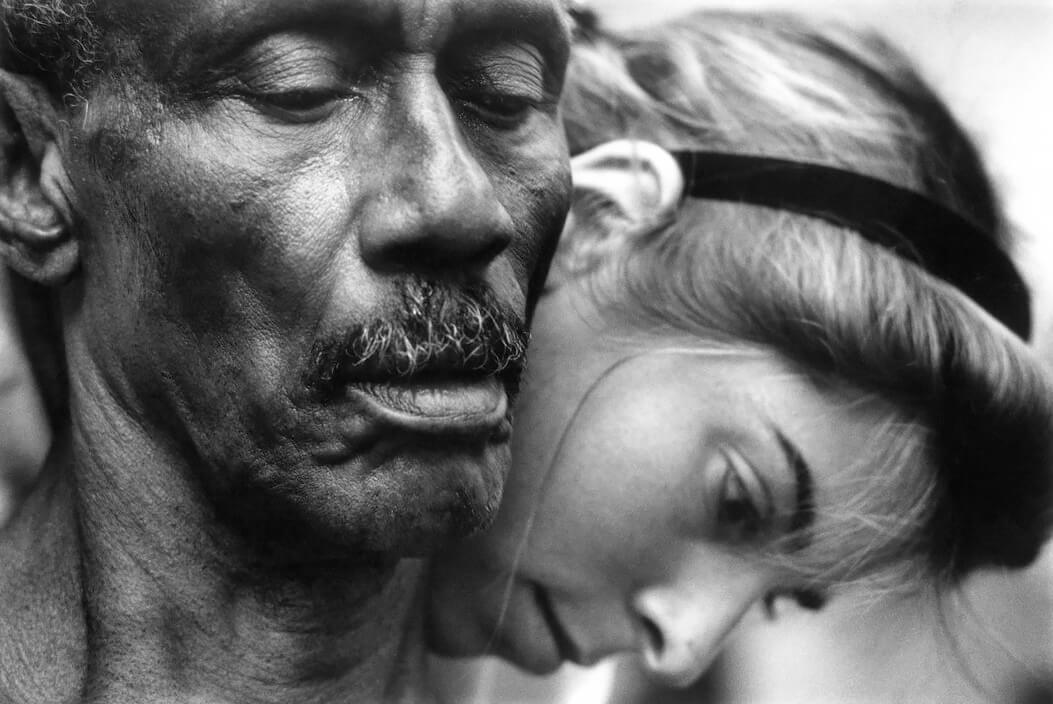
{"points": [[543, 221]]}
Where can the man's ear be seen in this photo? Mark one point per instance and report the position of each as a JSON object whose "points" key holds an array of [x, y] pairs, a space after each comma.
{"points": [[619, 188], [36, 209]]}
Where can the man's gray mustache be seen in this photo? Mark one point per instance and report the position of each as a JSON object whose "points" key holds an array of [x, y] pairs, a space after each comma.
{"points": [[437, 329]]}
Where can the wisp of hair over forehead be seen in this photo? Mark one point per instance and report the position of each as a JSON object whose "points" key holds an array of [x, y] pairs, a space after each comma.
{"points": [[959, 474]]}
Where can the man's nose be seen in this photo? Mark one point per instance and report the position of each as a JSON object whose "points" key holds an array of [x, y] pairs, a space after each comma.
{"points": [[434, 207], [685, 625]]}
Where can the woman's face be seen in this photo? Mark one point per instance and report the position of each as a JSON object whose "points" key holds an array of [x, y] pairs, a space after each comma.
{"points": [[644, 485]]}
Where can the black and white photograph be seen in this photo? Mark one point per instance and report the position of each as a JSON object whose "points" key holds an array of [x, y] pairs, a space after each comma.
{"points": [[526, 352]]}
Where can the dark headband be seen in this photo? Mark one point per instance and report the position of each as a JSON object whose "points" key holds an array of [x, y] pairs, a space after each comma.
{"points": [[914, 227]]}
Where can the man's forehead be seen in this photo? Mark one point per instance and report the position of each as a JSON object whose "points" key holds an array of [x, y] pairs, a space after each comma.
{"points": [[168, 25]]}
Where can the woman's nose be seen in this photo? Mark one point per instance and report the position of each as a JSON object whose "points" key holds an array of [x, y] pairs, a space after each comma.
{"points": [[683, 626]]}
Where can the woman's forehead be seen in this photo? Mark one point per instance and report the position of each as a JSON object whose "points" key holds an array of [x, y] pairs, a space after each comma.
{"points": [[756, 399], [850, 455]]}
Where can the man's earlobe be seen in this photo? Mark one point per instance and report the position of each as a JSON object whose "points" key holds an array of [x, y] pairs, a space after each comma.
{"points": [[36, 212]]}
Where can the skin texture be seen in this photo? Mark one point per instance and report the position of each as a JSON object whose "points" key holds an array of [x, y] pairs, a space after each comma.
{"points": [[626, 503], [248, 182], [654, 475]]}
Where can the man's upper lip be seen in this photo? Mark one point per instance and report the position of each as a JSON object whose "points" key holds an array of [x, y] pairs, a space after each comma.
{"points": [[568, 649], [378, 372], [420, 377]]}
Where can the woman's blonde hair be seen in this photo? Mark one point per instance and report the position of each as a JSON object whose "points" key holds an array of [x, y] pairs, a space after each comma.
{"points": [[972, 436]]}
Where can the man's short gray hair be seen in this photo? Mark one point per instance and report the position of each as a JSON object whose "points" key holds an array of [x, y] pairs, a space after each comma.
{"points": [[55, 40]]}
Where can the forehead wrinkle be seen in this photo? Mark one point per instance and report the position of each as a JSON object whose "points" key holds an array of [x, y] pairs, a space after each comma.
{"points": [[176, 35], [431, 26], [545, 24], [172, 34]]}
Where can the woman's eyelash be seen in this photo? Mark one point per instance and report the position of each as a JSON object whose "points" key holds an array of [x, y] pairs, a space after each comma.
{"points": [[736, 507], [738, 513]]}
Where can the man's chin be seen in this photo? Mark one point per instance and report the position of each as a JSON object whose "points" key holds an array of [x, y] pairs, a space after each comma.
{"points": [[408, 505], [428, 503]]}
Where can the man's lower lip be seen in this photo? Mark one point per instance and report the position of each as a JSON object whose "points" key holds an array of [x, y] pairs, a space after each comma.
{"points": [[457, 406]]}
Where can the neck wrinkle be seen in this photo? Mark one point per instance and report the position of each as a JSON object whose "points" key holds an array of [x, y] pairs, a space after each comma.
{"points": [[178, 608]]}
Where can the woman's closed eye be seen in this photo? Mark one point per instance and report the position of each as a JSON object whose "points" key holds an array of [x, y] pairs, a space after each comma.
{"points": [[744, 505]]}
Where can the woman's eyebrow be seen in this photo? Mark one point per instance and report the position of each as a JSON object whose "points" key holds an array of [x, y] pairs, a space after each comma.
{"points": [[804, 507]]}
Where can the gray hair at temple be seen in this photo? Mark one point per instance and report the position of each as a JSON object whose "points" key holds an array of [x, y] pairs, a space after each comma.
{"points": [[969, 448], [53, 40]]}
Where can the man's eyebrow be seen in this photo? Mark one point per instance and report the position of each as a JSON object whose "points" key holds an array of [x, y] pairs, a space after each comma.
{"points": [[804, 506]]}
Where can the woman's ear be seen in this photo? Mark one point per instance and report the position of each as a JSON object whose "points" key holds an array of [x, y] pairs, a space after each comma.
{"points": [[620, 187], [640, 181], [36, 209]]}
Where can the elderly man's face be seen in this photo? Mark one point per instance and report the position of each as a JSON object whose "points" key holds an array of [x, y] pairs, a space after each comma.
{"points": [[308, 229]]}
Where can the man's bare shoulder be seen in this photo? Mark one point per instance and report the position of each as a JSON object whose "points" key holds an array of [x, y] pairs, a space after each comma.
{"points": [[41, 612]]}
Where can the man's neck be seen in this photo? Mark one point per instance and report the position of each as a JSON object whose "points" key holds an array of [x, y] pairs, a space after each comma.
{"points": [[179, 608]]}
